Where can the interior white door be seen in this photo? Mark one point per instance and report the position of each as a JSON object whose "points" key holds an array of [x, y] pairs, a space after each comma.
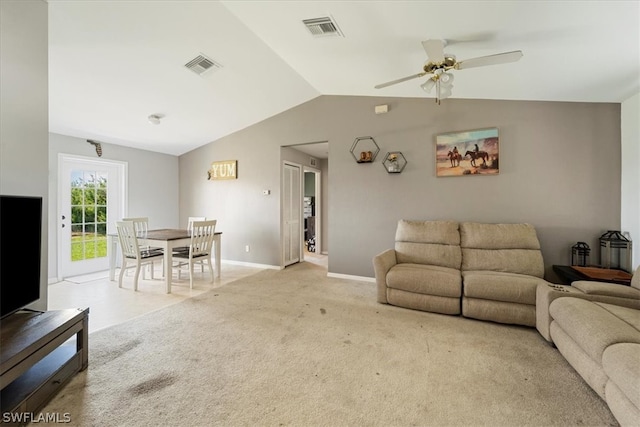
{"points": [[291, 213], [91, 197]]}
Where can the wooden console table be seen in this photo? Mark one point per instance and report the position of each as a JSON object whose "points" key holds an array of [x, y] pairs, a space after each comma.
{"points": [[570, 274], [35, 362]]}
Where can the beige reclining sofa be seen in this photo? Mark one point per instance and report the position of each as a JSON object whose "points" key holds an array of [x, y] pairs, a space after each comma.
{"points": [[596, 327], [483, 271]]}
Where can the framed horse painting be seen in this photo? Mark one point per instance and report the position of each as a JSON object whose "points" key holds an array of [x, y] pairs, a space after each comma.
{"points": [[472, 152]]}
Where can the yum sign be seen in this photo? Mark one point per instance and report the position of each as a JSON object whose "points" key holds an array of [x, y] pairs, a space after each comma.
{"points": [[227, 169]]}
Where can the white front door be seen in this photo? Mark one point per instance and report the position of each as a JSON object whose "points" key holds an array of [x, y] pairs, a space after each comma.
{"points": [[91, 195], [291, 214]]}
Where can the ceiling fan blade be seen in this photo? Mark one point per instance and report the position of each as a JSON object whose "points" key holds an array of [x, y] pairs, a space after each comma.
{"points": [[434, 49], [499, 58], [404, 79]]}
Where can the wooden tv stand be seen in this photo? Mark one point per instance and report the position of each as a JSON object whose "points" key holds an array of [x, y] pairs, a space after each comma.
{"points": [[34, 363]]}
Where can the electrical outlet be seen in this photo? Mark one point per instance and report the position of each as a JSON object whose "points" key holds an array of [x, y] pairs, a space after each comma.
{"points": [[247, 248]]}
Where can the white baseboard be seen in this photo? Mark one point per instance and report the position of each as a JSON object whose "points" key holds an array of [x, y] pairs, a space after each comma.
{"points": [[251, 264], [352, 277]]}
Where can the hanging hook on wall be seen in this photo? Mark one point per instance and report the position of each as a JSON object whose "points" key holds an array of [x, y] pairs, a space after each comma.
{"points": [[97, 145]]}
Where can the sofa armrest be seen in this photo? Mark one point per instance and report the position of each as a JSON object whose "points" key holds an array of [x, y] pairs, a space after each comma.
{"points": [[382, 263], [606, 289], [545, 295]]}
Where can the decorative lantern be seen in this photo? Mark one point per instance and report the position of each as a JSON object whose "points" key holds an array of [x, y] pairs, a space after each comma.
{"points": [[580, 254], [615, 251]]}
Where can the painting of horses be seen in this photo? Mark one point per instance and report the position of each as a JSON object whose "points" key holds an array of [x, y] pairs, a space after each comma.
{"points": [[473, 152]]}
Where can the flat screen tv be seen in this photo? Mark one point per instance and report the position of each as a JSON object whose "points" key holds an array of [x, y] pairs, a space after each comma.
{"points": [[20, 252]]}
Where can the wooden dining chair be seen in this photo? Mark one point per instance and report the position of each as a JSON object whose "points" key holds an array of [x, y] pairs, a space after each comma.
{"points": [[141, 226], [190, 222], [133, 253], [200, 249]]}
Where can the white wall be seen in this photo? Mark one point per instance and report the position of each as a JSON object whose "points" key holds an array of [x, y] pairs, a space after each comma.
{"points": [[630, 185], [152, 185], [24, 110]]}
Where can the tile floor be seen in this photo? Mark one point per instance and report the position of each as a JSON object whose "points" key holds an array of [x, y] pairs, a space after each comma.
{"points": [[109, 305]]}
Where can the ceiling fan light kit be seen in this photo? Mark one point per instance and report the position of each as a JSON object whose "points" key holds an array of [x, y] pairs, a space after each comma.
{"points": [[440, 63]]}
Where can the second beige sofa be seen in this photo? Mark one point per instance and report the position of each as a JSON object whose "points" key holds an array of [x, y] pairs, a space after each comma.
{"points": [[484, 271]]}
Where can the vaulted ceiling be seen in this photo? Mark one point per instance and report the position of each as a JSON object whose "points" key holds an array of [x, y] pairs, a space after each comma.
{"points": [[114, 63]]}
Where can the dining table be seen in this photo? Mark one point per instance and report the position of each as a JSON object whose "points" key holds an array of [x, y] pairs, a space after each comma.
{"points": [[167, 239]]}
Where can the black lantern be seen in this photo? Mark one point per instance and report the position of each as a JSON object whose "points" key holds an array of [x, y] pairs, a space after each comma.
{"points": [[615, 251], [580, 254]]}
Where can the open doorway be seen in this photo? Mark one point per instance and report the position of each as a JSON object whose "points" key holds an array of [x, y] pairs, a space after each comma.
{"points": [[313, 159], [312, 216]]}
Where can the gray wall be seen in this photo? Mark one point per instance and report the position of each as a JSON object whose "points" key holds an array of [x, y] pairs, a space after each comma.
{"points": [[560, 170], [152, 189], [24, 110]]}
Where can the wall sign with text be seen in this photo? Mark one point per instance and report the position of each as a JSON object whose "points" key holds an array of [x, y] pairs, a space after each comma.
{"points": [[227, 169]]}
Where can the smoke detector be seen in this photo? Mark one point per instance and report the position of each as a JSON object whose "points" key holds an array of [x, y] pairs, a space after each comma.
{"points": [[155, 118]]}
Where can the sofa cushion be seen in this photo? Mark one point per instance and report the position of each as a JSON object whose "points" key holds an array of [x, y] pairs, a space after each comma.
{"points": [[593, 326], [519, 261], [590, 370], [497, 286], [606, 289], [631, 316], [427, 253], [428, 242], [626, 413], [498, 236], [499, 311], [425, 279], [431, 303], [621, 362], [510, 248]]}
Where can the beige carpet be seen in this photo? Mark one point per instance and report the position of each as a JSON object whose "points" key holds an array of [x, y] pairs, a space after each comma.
{"points": [[295, 348]]}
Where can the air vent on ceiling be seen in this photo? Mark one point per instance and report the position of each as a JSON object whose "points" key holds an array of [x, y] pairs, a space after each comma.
{"points": [[201, 64], [322, 27]]}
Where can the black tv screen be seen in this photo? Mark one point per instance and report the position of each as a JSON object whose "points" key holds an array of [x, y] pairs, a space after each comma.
{"points": [[20, 252]]}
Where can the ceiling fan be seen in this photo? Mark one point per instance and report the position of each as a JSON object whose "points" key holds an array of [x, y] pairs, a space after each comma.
{"points": [[439, 64]]}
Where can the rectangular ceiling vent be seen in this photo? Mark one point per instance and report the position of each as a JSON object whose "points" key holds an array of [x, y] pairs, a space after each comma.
{"points": [[322, 27], [201, 64]]}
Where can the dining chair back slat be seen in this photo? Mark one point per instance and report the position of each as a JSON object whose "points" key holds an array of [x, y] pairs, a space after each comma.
{"points": [[192, 219], [141, 226]]}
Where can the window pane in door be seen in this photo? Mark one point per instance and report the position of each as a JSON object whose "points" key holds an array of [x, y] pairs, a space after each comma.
{"points": [[88, 215]]}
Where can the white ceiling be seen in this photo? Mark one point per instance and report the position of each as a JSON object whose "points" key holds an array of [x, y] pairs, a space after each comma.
{"points": [[113, 63]]}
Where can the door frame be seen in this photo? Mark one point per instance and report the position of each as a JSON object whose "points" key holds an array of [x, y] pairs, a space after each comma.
{"points": [[123, 170], [318, 201]]}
